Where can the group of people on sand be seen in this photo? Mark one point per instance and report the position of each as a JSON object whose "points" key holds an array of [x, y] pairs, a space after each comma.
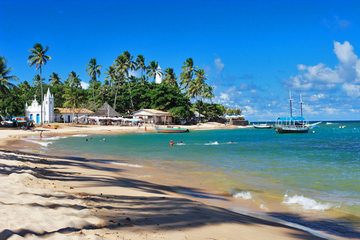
{"points": [[172, 143]]}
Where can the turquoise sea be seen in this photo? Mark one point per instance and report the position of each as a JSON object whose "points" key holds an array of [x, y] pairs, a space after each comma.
{"points": [[310, 179]]}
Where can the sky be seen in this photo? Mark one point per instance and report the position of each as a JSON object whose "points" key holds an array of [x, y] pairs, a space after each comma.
{"points": [[254, 52]]}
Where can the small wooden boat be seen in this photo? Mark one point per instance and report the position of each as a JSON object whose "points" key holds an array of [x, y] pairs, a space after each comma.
{"points": [[262, 126], [171, 130]]}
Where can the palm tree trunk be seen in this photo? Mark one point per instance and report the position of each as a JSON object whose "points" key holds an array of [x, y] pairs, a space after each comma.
{"points": [[132, 105], [42, 97], [94, 94], [117, 89]]}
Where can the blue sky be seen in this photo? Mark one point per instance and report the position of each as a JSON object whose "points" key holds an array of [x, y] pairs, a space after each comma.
{"points": [[254, 52]]}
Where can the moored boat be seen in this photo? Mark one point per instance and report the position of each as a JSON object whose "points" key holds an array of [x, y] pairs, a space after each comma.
{"points": [[262, 126], [171, 130], [291, 125]]}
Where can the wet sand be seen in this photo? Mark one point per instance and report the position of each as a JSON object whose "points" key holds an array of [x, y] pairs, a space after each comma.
{"points": [[82, 199]]}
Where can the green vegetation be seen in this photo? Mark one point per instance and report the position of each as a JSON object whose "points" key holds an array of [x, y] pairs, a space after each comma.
{"points": [[127, 93]]}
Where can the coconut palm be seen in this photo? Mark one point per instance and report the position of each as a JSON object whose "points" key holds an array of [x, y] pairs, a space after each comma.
{"points": [[130, 64], [73, 80], [151, 69], [55, 79], [120, 69], [208, 92], [140, 64], [5, 77], [36, 80], [93, 71], [71, 96], [187, 74], [39, 58], [170, 77], [111, 75], [197, 86]]}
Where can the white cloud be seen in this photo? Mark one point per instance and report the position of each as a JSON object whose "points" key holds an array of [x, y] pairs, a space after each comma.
{"points": [[224, 96], [84, 85], [322, 78], [248, 110], [135, 73], [351, 90], [330, 110], [316, 97], [345, 52], [219, 65]]}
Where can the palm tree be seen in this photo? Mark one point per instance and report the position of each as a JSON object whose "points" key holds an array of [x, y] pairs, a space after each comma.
{"points": [[39, 58], [93, 70], [111, 74], [55, 79], [170, 77], [123, 64], [130, 65], [5, 78], [151, 69], [186, 76], [36, 80], [140, 64], [197, 86], [72, 99], [73, 80], [208, 92], [120, 69]]}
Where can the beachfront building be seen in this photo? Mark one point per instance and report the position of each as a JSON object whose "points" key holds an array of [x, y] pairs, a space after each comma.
{"points": [[68, 115], [106, 111], [153, 116], [33, 112]]}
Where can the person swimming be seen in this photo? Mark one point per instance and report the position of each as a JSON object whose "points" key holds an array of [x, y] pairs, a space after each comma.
{"points": [[171, 143], [86, 140], [181, 143]]}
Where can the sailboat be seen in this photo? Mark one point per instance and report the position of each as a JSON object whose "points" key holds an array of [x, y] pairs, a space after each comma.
{"points": [[262, 125], [292, 124]]}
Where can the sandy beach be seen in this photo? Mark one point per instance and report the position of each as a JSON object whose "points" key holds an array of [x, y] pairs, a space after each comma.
{"points": [[62, 198]]}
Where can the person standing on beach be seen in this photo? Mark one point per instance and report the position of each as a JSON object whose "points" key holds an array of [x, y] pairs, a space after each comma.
{"points": [[41, 135]]}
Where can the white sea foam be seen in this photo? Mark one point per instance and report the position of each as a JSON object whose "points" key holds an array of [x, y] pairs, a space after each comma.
{"points": [[127, 164], [306, 203], [243, 195], [212, 143], [240, 194], [42, 143], [80, 135], [262, 206], [51, 138]]}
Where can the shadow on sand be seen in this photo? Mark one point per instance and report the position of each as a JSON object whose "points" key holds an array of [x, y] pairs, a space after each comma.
{"points": [[122, 211]]}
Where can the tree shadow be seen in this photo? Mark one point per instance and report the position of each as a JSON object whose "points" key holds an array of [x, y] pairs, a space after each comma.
{"points": [[124, 211], [334, 227]]}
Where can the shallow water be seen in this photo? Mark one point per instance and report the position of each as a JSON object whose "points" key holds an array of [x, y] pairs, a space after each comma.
{"points": [[316, 174]]}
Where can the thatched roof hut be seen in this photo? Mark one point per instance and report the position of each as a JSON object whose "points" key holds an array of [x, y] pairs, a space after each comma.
{"points": [[106, 111]]}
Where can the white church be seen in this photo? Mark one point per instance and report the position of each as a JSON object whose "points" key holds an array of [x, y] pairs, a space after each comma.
{"points": [[33, 112]]}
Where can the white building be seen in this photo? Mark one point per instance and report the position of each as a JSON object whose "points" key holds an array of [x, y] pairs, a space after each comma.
{"points": [[158, 75], [33, 112], [153, 116]]}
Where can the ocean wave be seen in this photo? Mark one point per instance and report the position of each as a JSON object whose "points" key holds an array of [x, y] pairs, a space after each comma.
{"points": [[306, 203], [127, 164], [241, 194], [262, 206], [42, 143], [80, 135], [212, 143]]}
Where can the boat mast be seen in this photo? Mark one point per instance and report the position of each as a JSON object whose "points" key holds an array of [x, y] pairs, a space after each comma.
{"points": [[301, 103], [290, 104]]}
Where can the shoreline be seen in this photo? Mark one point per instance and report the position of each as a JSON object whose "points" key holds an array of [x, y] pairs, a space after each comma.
{"points": [[129, 175]]}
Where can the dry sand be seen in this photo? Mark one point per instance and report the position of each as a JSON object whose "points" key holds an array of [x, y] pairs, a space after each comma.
{"points": [[52, 198]]}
